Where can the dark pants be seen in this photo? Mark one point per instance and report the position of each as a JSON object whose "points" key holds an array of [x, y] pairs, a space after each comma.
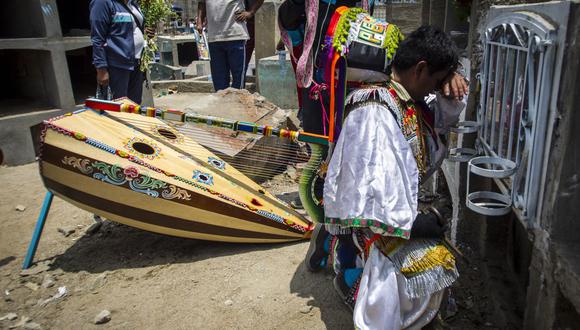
{"points": [[127, 83], [251, 43], [227, 57], [312, 117]]}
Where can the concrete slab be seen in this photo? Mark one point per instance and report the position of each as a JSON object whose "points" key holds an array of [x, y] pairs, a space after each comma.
{"points": [[192, 85], [277, 81], [158, 71], [15, 140], [197, 68]]}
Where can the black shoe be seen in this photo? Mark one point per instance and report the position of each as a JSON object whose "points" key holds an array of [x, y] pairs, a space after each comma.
{"points": [[316, 254], [346, 293]]}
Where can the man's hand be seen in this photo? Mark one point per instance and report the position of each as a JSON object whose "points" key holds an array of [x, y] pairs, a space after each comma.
{"points": [[280, 46], [243, 16], [103, 77], [201, 19], [455, 87], [150, 32], [199, 25]]}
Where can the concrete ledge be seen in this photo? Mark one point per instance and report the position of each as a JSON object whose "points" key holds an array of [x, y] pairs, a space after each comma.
{"points": [[66, 44], [15, 140], [193, 85]]}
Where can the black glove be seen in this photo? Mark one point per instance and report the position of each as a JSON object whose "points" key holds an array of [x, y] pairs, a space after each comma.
{"points": [[427, 226], [291, 14]]}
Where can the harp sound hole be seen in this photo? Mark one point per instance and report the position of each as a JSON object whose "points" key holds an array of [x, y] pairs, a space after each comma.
{"points": [[167, 133], [143, 148], [203, 177]]}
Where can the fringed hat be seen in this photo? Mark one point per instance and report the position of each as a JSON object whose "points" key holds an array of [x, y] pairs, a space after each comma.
{"points": [[357, 48]]}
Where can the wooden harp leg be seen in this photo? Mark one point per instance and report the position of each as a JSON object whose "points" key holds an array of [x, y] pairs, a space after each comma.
{"points": [[38, 230]]}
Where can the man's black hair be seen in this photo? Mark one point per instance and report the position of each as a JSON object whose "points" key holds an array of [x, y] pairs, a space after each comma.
{"points": [[429, 44]]}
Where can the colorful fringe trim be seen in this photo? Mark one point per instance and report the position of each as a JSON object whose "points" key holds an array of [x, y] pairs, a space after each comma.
{"points": [[427, 265], [335, 224]]}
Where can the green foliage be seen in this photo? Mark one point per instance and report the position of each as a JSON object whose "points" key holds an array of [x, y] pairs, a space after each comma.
{"points": [[155, 12]]}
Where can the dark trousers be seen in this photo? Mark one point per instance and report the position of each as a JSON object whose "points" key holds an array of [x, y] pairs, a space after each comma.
{"points": [[227, 57], [127, 83], [312, 112], [251, 43]]}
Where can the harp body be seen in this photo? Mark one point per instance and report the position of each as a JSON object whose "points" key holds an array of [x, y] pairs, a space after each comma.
{"points": [[123, 162]]}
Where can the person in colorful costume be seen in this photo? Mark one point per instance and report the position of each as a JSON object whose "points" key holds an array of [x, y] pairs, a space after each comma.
{"points": [[351, 37], [303, 24], [305, 27], [369, 46], [390, 261]]}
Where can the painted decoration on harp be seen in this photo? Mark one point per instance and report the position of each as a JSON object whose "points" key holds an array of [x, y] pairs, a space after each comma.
{"points": [[167, 133], [143, 148], [126, 176], [202, 177], [217, 163]]}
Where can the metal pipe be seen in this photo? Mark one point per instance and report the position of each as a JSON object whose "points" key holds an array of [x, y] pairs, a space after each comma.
{"points": [[526, 93], [540, 136], [513, 107], [505, 82], [486, 85], [495, 90]]}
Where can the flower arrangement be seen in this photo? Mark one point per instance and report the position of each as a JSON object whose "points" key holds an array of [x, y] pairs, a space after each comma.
{"points": [[155, 11]]}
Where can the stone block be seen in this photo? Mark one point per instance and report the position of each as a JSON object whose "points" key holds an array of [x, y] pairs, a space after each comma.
{"points": [[197, 68], [267, 32], [160, 71], [16, 143], [277, 81]]}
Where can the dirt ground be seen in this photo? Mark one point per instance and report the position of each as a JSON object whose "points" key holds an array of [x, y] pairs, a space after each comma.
{"points": [[150, 281]]}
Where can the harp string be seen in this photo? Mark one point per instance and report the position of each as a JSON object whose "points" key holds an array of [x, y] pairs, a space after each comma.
{"points": [[262, 153], [200, 135], [202, 139]]}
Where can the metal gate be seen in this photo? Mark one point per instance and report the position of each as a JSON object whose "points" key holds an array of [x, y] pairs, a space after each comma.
{"points": [[519, 84]]}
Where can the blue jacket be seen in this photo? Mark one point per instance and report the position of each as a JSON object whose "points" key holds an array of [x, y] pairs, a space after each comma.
{"points": [[112, 34]]}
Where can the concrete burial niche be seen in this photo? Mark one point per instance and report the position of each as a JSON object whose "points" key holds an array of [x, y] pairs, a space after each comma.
{"points": [[21, 19], [74, 17], [187, 53], [46, 65], [27, 81], [82, 73], [179, 50]]}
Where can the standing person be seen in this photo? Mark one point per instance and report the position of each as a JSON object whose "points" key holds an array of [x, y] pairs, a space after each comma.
{"points": [[117, 28], [226, 39], [247, 16]]}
